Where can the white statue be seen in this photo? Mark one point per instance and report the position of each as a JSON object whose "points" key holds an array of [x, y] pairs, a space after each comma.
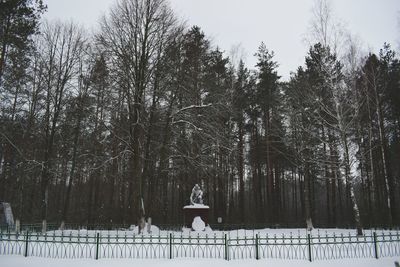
{"points": [[197, 195]]}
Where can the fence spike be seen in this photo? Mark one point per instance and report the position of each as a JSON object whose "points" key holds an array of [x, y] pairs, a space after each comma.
{"points": [[376, 246], [309, 247], [97, 245], [26, 243]]}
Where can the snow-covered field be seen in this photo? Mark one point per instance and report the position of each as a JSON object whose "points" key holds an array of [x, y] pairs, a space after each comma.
{"points": [[19, 261]]}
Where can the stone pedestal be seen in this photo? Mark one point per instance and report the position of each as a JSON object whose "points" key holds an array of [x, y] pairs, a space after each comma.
{"points": [[6, 215], [192, 211]]}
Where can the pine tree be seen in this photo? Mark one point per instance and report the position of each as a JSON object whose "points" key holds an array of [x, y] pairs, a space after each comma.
{"points": [[19, 21]]}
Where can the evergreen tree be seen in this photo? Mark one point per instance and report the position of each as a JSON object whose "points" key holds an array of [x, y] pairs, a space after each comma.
{"points": [[19, 21]]}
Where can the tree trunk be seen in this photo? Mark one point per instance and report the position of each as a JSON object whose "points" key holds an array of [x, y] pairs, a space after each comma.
{"points": [[73, 165], [307, 200], [389, 185], [240, 163], [356, 212]]}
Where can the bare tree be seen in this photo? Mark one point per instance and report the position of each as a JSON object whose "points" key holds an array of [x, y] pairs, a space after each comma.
{"points": [[79, 99], [61, 50], [132, 35], [325, 28]]}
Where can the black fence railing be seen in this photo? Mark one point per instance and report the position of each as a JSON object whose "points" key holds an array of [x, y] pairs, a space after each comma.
{"points": [[216, 245], [37, 227]]}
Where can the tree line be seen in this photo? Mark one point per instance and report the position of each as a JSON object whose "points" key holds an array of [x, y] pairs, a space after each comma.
{"points": [[120, 124]]}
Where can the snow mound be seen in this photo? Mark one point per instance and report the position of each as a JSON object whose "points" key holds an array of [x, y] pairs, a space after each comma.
{"points": [[153, 229], [198, 224], [208, 229]]}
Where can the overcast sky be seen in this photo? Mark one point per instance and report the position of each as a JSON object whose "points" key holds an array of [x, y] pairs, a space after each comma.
{"points": [[281, 24]]}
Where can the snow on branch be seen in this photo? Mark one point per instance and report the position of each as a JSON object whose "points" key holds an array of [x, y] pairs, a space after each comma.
{"points": [[190, 107], [189, 123], [19, 151]]}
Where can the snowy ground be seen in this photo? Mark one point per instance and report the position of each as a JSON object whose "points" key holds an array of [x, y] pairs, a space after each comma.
{"points": [[19, 261], [323, 246]]}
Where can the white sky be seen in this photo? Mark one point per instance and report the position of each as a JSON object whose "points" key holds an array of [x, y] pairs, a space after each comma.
{"points": [[281, 24]]}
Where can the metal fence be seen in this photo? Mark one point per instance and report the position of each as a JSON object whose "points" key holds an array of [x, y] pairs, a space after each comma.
{"points": [[219, 245]]}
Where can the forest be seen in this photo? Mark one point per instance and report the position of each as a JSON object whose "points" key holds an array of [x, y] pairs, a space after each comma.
{"points": [[109, 126]]}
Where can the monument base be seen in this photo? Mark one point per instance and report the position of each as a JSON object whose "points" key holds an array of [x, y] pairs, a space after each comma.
{"points": [[192, 211]]}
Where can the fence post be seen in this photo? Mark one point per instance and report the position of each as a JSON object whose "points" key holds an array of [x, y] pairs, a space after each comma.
{"points": [[376, 246], [170, 245], [26, 243], [257, 245], [309, 247], [226, 248], [97, 245], [44, 226], [17, 226]]}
